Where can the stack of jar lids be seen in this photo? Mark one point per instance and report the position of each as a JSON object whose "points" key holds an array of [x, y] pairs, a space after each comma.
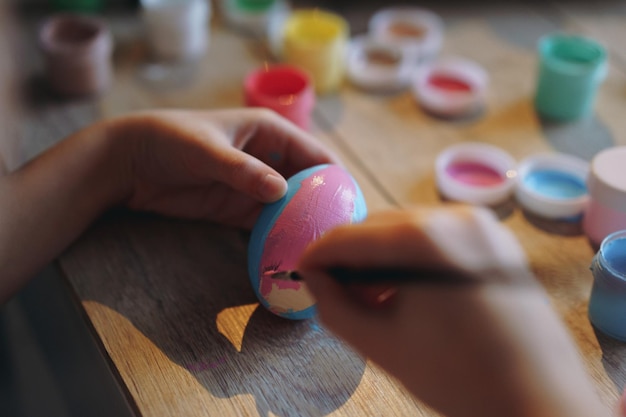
{"points": [[547, 185]]}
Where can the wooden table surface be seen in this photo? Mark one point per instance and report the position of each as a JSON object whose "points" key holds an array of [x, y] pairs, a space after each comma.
{"points": [[171, 301]]}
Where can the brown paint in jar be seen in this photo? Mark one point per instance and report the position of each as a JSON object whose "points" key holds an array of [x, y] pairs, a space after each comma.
{"points": [[400, 29]]}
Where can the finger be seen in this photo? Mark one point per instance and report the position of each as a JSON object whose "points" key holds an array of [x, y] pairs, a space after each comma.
{"points": [[342, 313], [247, 174], [393, 239], [280, 143]]}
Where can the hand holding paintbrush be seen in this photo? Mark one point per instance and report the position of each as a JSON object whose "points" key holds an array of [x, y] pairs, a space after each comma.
{"points": [[484, 350]]}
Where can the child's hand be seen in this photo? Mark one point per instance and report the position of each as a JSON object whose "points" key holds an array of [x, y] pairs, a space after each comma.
{"points": [[483, 349], [218, 165]]}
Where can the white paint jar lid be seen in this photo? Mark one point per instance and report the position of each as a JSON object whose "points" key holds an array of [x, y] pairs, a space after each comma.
{"points": [[451, 87], [553, 186], [419, 30], [475, 173], [373, 64], [607, 178]]}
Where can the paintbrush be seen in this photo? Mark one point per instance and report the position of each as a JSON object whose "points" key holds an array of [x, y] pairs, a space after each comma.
{"points": [[345, 275]]}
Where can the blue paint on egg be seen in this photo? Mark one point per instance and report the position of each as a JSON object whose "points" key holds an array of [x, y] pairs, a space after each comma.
{"points": [[317, 199]]}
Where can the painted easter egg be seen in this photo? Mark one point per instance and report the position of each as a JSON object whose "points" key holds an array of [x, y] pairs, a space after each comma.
{"points": [[317, 199]]}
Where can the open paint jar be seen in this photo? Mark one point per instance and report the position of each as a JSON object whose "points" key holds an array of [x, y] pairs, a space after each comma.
{"points": [[285, 89], [316, 41], [451, 87], [475, 173], [571, 70], [607, 304], [417, 30], [553, 186], [607, 187], [377, 65], [77, 50]]}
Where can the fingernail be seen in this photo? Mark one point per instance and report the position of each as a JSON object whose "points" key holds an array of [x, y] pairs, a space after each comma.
{"points": [[272, 188]]}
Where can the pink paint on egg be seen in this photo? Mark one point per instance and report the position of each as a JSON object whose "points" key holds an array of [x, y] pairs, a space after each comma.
{"points": [[474, 173], [325, 199]]}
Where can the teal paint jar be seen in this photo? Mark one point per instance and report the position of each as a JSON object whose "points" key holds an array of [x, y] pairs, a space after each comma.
{"points": [[571, 69], [607, 304]]}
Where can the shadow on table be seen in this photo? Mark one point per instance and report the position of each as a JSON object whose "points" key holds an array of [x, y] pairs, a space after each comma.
{"points": [[613, 352], [172, 279]]}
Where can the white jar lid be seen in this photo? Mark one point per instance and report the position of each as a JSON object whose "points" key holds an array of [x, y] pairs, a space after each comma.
{"points": [[451, 87], [553, 186], [475, 173], [374, 64], [416, 29], [607, 178]]}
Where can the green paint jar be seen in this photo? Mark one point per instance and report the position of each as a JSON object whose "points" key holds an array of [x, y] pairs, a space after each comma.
{"points": [[571, 69], [86, 6]]}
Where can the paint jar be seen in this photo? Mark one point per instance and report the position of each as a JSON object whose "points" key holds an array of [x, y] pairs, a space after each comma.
{"points": [[418, 30], [77, 5], [451, 87], [607, 187], [553, 186], [285, 89], [475, 173], [252, 17], [316, 41], [571, 69], [176, 30], [77, 51], [607, 304], [376, 65]]}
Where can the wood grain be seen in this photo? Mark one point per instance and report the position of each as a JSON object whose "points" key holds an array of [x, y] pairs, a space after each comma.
{"points": [[171, 300]]}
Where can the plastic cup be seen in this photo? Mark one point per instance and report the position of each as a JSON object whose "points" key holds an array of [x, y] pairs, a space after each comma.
{"points": [[316, 41], [285, 89], [176, 30], [606, 212], [571, 69], [607, 303], [77, 51]]}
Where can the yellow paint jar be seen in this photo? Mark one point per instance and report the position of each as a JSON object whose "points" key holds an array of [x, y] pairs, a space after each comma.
{"points": [[316, 41]]}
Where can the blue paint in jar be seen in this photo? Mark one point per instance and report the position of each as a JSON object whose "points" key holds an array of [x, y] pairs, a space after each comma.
{"points": [[607, 304], [555, 184]]}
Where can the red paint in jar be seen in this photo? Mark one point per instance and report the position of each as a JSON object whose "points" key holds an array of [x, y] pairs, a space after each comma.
{"points": [[474, 173], [449, 83]]}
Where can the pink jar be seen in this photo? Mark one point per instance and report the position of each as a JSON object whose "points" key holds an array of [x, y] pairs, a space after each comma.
{"points": [[606, 212], [77, 50]]}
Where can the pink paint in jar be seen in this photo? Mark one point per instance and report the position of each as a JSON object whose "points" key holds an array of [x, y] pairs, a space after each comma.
{"points": [[606, 212]]}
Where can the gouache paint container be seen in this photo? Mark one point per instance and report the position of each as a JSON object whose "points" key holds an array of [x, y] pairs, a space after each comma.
{"points": [[571, 69], [376, 65], [77, 51], [475, 173], [316, 41], [176, 30], [451, 87], [553, 186], [607, 304], [285, 89], [252, 17], [418, 30], [607, 189]]}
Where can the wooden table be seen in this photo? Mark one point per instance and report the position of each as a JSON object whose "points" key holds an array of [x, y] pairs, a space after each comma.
{"points": [[171, 301]]}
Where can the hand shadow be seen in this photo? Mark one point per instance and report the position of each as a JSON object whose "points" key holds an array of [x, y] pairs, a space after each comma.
{"points": [[184, 285]]}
